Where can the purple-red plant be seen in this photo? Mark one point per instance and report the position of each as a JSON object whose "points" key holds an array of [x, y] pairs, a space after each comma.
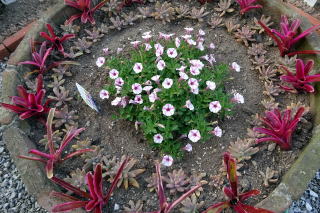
{"points": [[301, 79], [127, 3], [29, 104], [235, 199], [39, 58], [246, 5], [56, 41], [288, 36], [279, 127], [95, 199], [166, 207], [55, 155], [204, 1], [87, 11]]}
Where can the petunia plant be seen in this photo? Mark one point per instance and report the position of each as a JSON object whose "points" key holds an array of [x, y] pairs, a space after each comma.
{"points": [[171, 88]]}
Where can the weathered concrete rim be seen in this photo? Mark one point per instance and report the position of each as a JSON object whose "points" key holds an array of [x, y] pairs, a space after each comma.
{"points": [[292, 186]]}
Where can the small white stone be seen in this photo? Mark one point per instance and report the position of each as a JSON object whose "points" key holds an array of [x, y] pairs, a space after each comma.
{"points": [[308, 206], [116, 207]]}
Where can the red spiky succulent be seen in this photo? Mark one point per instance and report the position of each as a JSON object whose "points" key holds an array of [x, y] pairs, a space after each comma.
{"points": [[235, 200], [95, 199], [87, 11], [246, 5], [166, 207], [39, 58], [127, 3], [56, 41], [301, 79], [29, 104], [288, 36], [279, 127], [55, 155]]}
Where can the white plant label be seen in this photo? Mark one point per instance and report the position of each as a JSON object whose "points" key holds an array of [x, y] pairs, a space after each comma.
{"points": [[85, 95], [311, 3]]}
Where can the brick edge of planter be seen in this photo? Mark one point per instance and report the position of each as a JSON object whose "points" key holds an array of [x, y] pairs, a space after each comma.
{"points": [[278, 200]]}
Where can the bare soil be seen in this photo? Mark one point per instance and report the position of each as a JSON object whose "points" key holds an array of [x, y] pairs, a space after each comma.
{"points": [[119, 137]]}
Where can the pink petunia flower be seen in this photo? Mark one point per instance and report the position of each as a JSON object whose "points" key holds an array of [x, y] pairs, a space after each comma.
{"points": [[135, 43], [210, 58], [238, 98], [155, 78], [195, 91], [148, 46], [182, 68], [188, 147], [197, 63], [186, 37], [165, 36], [153, 97], [147, 88], [116, 101], [137, 68], [161, 65], [104, 94], [147, 36], [118, 82], [167, 83], [191, 42], [158, 138], [113, 74], [188, 29], [194, 135], [119, 50], [167, 160], [168, 110], [217, 131], [183, 76], [212, 46], [201, 33], [172, 53], [194, 70], [106, 51], [100, 61], [136, 88], [189, 105], [193, 83], [215, 106], [177, 42], [200, 46], [138, 99], [236, 67]]}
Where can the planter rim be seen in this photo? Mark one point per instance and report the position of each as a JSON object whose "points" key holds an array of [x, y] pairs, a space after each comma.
{"points": [[293, 183]]}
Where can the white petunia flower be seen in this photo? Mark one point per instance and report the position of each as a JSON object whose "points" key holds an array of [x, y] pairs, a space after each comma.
{"points": [[159, 49], [189, 105], [100, 61], [194, 135], [147, 88], [210, 58], [182, 68], [186, 37], [235, 66], [183, 76], [177, 42], [168, 110], [137, 68], [116, 101], [238, 98], [172, 52], [104, 94], [136, 88], [200, 46], [194, 70], [147, 36], [153, 97], [188, 147], [113, 74], [165, 36], [201, 33], [161, 65], [192, 42], [214, 106], [167, 83], [193, 83], [118, 82], [217, 132], [167, 160], [155, 78], [211, 85], [188, 29], [148, 46], [138, 99], [158, 138]]}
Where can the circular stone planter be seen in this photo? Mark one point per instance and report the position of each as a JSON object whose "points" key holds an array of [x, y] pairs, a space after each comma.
{"points": [[293, 184]]}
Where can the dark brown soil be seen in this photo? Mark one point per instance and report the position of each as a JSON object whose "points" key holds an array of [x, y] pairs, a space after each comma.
{"points": [[20, 13], [120, 137]]}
